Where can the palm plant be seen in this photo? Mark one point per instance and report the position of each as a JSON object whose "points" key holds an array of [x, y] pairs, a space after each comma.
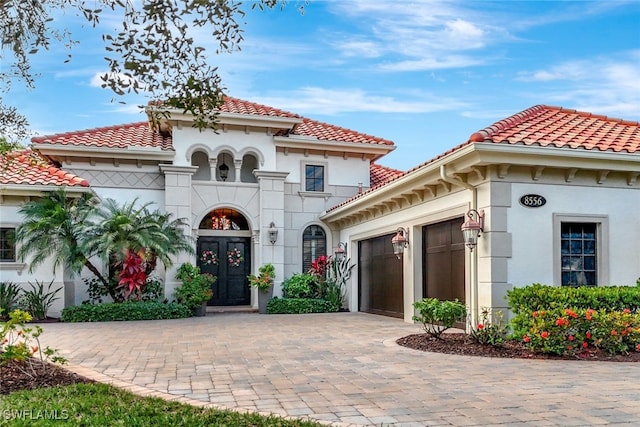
{"points": [[72, 230], [54, 227], [121, 229]]}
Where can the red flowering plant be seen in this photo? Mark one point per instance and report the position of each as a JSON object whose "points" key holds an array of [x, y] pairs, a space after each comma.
{"points": [[133, 277], [319, 266], [491, 329], [21, 343], [332, 276], [581, 332]]}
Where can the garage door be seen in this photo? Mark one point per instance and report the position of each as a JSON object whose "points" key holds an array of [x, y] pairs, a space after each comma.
{"points": [[444, 260], [380, 286]]}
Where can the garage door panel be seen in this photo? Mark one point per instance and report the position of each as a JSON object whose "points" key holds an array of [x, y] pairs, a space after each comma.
{"points": [[380, 284], [443, 261]]}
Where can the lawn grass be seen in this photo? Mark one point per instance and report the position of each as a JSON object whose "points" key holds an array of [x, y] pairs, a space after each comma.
{"points": [[102, 405]]}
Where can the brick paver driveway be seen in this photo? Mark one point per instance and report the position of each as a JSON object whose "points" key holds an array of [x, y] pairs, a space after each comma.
{"points": [[343, 368]]}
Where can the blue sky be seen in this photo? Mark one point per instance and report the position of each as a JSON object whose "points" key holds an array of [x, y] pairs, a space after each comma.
{"points": [[424, 74]]}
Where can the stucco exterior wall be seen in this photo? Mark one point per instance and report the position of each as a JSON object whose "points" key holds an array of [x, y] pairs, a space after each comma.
{"points": [[533, 231], [19, 273]]}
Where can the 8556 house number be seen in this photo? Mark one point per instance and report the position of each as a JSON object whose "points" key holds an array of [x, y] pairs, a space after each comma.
{"points": [[532, 200]]}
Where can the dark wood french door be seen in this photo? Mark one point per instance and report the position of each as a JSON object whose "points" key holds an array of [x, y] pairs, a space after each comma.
{"points": [[232, 285], [444, 261], [380, 277]]}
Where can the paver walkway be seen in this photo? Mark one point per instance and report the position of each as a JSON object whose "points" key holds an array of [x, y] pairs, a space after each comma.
{"points": [[343, 368]]}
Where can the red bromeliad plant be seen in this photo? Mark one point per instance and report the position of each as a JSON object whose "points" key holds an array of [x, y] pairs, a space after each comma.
{"points": [[133, 276], [319, 266]]}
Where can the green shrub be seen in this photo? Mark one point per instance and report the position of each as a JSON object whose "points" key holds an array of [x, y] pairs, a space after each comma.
{"points": [[9, 298], [300, 285], [300, 305], [37, 300], [537, 297], [437, 316], [571, 332], [99, 293], [134, 310], [196, 286], [491, 330]]}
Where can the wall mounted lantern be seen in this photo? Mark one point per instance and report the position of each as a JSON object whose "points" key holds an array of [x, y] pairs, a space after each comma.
{"points": [[273, 233], [341, 251], [224, 171], [400, 241], [471, 228]]}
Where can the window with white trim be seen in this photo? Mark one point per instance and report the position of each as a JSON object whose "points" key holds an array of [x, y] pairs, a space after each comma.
{"points": [[7, 244], [581, 249], [578, 249], [314, 178]]}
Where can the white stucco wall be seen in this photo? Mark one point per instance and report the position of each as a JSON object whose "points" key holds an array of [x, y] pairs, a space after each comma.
{"points": [[188, 139], [9, 217], [533, 238]]}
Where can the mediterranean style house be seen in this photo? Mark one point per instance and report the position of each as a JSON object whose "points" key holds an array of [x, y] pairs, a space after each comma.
{"points": [[553, 194]]}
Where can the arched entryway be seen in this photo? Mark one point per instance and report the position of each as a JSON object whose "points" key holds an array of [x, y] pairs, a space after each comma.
{"points": [[224, 250]]}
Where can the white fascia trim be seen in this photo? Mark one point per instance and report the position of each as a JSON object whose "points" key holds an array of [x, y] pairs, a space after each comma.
{"points": [[528, 155], [38, 190], [135, 153], [310, 143], [255, 120], [487, 154], [277, 175]]}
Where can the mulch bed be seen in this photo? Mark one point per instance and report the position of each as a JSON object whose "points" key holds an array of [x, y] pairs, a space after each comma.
{"points": [[33, 373], [462, 344]]}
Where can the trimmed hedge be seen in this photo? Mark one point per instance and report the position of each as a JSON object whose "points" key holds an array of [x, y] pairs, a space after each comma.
{"points": [[539, 297], [572, 332], [570, 321], [142, 310], [299, 305]]}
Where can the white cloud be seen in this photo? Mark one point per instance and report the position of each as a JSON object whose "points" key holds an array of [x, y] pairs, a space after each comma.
{"points": [[316, 100], [604, 85], [433, 63]]}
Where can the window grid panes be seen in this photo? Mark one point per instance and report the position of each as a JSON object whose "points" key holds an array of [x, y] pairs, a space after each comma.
{"points": [[578, 251], [314, 244], [7, 245], [314, 178]]}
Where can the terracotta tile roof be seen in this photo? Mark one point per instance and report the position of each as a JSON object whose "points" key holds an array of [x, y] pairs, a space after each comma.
{"points": [[239, 106], [308, 127], [139, 134], [380, 174], [119, 136], [25, 167], [544, 125], [327, 132]]}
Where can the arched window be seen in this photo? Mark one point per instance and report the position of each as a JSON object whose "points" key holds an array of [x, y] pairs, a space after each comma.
{"points": [[225, 163], [224, 219], [249, 164], [314, 244], [201, 160]]}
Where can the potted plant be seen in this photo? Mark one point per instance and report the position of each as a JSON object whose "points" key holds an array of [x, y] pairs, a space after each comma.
{"points": [[264, 282], [195, 290]]}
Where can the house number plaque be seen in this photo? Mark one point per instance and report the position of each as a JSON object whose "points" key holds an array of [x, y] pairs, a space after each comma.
{"points": [[532, 200]]}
